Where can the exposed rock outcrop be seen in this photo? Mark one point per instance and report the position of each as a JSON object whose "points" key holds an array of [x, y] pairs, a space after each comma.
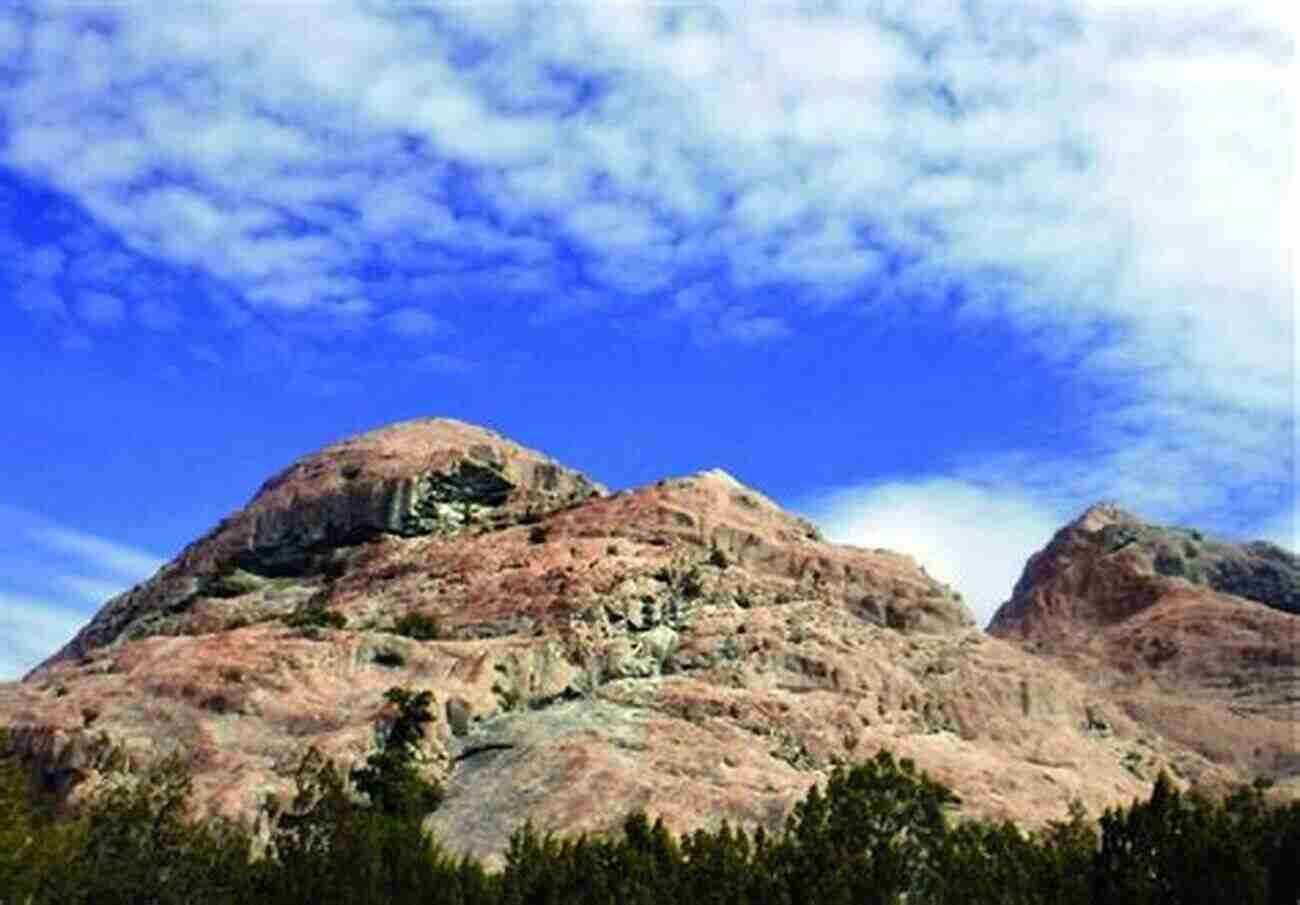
{"points": [[1196, 638], [418, 478], [687, 647], [1107, 565]]}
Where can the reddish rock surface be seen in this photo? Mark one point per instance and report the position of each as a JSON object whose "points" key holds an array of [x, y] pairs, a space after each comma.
{"points": [[686, 647], [417, 478], [1197, 639]]}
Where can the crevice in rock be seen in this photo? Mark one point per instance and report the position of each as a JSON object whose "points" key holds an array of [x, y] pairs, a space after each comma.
{"points": [[475, 750], [568, 694]]}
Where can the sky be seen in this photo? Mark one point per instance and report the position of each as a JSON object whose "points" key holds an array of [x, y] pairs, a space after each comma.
{"points": [[936, 274]]}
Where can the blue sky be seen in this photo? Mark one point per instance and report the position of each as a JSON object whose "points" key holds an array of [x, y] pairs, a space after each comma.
{"points": [[938, 274]]}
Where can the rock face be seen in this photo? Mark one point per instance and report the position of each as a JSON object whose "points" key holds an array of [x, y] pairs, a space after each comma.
{"points": [[686, 647], [414, 479], [1198, 639], [1108, 565]]}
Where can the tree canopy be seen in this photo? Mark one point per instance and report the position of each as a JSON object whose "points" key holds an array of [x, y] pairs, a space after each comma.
{"points": [[876, 832]]}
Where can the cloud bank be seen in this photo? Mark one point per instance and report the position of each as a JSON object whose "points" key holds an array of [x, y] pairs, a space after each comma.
{"points": [[973, 537], [1111, 181]]}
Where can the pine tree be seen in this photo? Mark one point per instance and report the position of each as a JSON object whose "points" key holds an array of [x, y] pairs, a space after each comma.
{"points": [[390, 778]]}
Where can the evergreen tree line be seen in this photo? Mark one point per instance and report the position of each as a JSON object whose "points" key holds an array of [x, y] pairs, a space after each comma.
{"points": [[877, 832]]}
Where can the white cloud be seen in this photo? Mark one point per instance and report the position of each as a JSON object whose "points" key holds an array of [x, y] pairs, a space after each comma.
{"points": [[303, 296], [1112, 179], [1282, 529], [616, 225], [51, 579], [972, 536], [31, 630], [737, 324], [103, 555], [413, 323], [713, 320], [92, 591]]}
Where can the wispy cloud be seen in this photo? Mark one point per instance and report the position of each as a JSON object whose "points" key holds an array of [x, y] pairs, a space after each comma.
{"points": [[413, 322], [52, 579], [30, 630], [714, 320], [100, 309], [103, 555], [89, 591], [442, 363], [1113, 181]]}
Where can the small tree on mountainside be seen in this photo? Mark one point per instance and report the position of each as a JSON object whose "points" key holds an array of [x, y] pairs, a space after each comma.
{"points": [[141, 846], [877, 832], [390, 778], [1181, 847], [330, 847]]}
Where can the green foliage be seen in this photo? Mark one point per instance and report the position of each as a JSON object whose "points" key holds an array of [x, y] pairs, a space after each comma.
{"points": [[682, 578], [877, 832], [988, 862], [330, 848], [135, 843], [18, 832], [419, 626], [390, 778], [310, 617], [1179, 847]]}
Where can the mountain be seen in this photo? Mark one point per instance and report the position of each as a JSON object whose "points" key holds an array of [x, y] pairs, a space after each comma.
{"points": [[1195, 638], [686, 647], [318, 519]]}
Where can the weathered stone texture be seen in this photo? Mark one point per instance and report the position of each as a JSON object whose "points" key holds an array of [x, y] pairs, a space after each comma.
{"points": [[687, 647], [1197, 639]]}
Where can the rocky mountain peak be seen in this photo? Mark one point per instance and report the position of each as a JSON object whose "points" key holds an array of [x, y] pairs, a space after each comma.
{"points": [[1108, 564], [1101, 514], [613, 649], [686, 646], [432, 476], [432, 461], [1195, 635]]}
